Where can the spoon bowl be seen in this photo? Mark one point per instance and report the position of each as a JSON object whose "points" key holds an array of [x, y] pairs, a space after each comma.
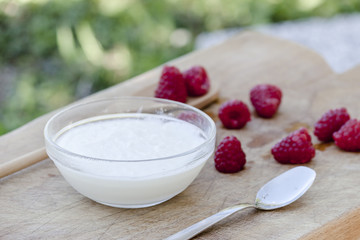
{"points": [[278, 192], [285, 188]]}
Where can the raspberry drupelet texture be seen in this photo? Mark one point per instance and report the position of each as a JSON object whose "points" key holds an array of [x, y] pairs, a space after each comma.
{"points": [[229, 156], [197, 81], [329, 123], [266, 99], [234, 114], [295, 148], [348, 136], [171, 85]]}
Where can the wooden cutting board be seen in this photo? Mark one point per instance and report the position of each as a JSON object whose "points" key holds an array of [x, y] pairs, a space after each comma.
{"points": [[37, 203]]}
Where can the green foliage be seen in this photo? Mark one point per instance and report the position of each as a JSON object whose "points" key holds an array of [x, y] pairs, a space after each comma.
{"points": [[59, 50]]}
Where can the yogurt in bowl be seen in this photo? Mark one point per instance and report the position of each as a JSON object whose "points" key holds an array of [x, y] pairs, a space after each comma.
{"points": [[130, 152]]}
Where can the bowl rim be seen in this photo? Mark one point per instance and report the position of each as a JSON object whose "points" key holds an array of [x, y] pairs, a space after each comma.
{"points": [[48, 139]]}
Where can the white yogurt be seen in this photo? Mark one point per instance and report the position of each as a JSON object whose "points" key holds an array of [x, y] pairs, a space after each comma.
{"points": [[120, 142]]}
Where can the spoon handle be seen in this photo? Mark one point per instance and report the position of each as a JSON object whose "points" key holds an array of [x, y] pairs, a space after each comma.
{"points": [[198, 227]]}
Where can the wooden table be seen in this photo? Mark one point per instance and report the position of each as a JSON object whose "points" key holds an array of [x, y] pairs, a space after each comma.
{"points": [[37, 203]]}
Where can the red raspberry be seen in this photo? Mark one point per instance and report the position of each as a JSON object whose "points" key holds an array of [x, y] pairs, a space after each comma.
{"points": [[348, 136], [196, 81], [329, 123], [171, 85], [229, 157], [234, 114], [266, 99], [190, 117], [295, 148]]}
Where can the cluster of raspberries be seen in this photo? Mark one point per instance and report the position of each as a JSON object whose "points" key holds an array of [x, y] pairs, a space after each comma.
{"points": [[177, 86], [234, 114], [296, 148], [265, 98], [336, 125]]}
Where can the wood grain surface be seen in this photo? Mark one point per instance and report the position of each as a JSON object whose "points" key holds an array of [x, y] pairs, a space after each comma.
{"points": [[37, 203]]}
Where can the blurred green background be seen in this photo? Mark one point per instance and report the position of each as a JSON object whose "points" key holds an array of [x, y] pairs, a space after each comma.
{"points": [[54, 52]]}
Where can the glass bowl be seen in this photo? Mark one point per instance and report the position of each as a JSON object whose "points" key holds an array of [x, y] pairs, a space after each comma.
{"points": [[130, 152]]}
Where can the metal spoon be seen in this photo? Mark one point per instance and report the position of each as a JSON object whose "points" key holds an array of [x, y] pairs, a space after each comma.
{"points": [[277, 193]]}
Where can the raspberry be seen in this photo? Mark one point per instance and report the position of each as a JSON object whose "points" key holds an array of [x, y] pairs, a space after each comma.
{"points": [[196, 81], [190, 117], [234, 114], [348, 136], [171, 85], [229, 157], [295, 148], [329, 123], [266, 99]]}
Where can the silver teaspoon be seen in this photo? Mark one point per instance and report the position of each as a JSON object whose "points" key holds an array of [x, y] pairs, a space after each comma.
{"points": [[278, 192]]}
